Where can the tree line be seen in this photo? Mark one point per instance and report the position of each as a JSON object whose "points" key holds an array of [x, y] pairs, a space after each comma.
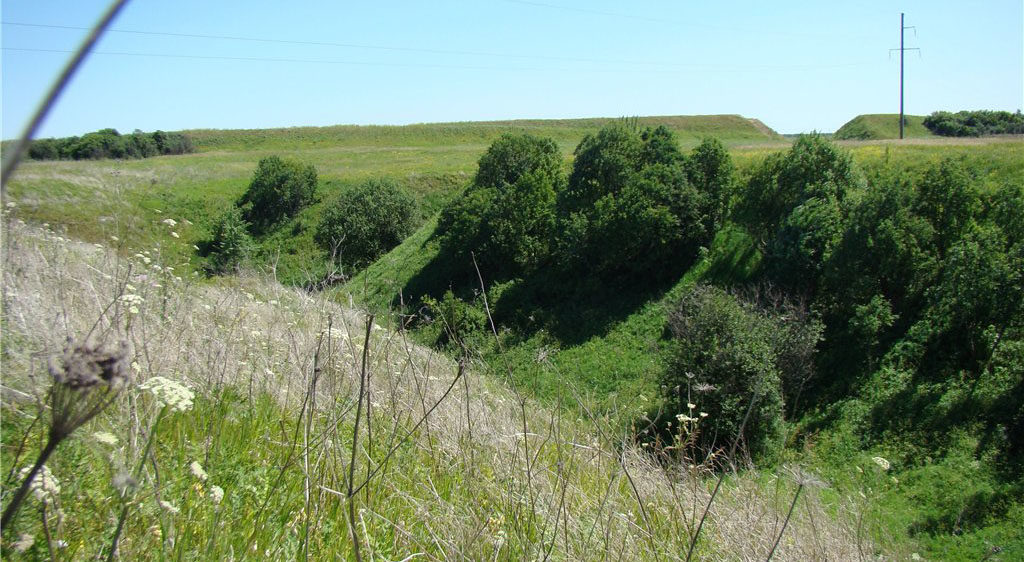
{"points": [[108, 143]]}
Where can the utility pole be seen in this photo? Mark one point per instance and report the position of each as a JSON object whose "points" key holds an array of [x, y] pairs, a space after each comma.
{"points": [[903, 28]]}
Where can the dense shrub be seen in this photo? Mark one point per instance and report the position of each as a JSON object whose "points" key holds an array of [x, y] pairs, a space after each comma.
{"points": [[229, 243], [506, 216], [724, 361], [279, 189], [975, 123], [365, 222]]}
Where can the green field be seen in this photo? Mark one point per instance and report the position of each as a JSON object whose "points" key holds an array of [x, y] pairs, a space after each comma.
{"points": [[880, 126], [586, 368]]}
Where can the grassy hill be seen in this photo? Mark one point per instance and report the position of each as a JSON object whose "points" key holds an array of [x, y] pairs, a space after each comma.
{"points": [[881, 126], [730, 129]]}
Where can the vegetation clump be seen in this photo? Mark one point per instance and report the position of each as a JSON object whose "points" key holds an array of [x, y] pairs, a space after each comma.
{"points": [[229, 244], [506, 216], [279, 189], [975, 123], [365, 222]]}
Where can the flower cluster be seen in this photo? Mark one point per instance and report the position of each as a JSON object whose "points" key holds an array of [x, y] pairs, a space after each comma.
{"points": [[132, 301], [171, 394]]}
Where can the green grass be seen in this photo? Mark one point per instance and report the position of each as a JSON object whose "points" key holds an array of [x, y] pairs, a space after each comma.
{"points": [[880, 126]]}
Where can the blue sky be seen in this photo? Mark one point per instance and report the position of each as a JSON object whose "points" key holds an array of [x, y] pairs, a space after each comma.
{"points": [[797, 66]]}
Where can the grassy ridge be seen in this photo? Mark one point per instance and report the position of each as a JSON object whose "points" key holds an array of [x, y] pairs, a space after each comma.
{"points": [[880, 126], [731, 129]]}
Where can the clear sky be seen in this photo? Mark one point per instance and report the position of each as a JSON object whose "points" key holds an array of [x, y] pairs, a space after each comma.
{"points": [[797, 66]]}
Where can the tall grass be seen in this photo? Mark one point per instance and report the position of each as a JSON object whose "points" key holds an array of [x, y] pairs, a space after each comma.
{"points": [[315, 432]]}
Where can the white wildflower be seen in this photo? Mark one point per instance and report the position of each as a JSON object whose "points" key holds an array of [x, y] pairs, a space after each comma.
{"points": [[45, 487], [170, 222], [171, 508], [197, 471], [115, 238], [175, 234], [105, 438], [172, 394], [881, 462], [691, 405], [216, 494]]}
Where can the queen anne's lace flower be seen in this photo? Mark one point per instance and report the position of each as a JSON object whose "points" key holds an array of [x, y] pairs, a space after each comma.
{"points": [[197, 471], [172, 394], [216, 494], [881, 462], [171, 508]]}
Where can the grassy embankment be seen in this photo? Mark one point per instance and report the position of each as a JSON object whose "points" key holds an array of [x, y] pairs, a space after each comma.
{"points": [[881, 126]]}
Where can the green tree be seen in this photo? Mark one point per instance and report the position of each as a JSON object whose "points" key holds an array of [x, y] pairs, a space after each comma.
{"points": [[365, 222], [506, 216], [279, 189]]}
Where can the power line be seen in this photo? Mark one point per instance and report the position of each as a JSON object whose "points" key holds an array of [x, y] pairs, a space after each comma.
{"points": [[392, 48], [712, 67], [348, 45]]}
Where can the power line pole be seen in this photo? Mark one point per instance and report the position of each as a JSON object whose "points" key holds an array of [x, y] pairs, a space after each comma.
{"points": [[903, 28]]}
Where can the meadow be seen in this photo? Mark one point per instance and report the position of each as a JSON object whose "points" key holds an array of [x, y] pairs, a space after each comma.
{"points": [[375, 442]]}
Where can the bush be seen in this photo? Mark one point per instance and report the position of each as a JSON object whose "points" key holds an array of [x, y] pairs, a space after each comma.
{"points": [[365, 222], [279, 189], [108, 143], [230, 244], [729, 353], [506, 216]]}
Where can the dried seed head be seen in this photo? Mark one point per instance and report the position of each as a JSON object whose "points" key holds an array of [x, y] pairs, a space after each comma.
{"points": [[85, 381], [85, 366]]}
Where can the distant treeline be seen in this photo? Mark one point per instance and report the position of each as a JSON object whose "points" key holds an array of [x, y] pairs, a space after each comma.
{"points": [[108, 143], [975, 123]]}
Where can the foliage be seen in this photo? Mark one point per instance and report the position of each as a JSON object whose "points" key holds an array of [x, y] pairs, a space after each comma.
{"points": [[108, 143], [365, 222], [505, 217], [279, 189], [975, 123], [458, 324], [725, 363], [630, 209], [229, 245], [793, 206]]}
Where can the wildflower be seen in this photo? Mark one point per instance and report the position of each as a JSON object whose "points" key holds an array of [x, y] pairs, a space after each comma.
{"points": [[170, 222], [194, 247], [11, 204], [881, 462], [170, 394], [691, 405], [703, 414], [105, 438], [115, 238], [45, 487], [169, 507], [123, 481], [216, 494], [197, 471], [175, 234]]}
